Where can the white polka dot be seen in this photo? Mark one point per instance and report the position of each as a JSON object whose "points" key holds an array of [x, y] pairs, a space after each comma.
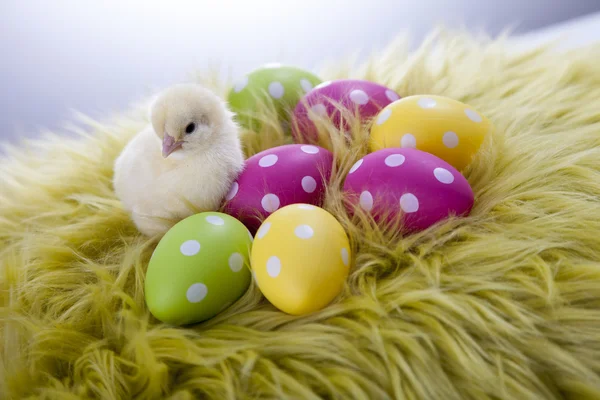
{"points": [[359, 97], [273, 267], [276, 90], [319, 109], [426, 102], [240, 85], [391, 95], [263, 230], [236, 262], [450, 139], [443, 175], [394, 160], [473, 115], [306, 85], [323, 84], [272, 65], [268, 160], [233, 191], [309, 149], [409, 203], [304, 232], [366, 200], [196, 292], [408, 140], [345, 257], [384, 116], [309, 184], [356, 166], [190, 248], [250, 236], [306, 207], [214, 220], [270, 202]]}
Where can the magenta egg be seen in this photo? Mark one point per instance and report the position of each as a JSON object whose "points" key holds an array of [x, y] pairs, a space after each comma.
{"points": [[364, 97], [278, 177], [419, 186]]}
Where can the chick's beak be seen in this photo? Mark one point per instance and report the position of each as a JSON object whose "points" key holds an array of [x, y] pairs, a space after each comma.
{"points": [[169, 145]]}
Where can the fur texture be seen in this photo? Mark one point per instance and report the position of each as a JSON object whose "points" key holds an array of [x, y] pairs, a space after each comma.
{"points": [[503, 304]]}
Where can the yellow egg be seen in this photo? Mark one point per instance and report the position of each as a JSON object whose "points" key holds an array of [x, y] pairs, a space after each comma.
{"points": [[446, 128], [300, 258]]}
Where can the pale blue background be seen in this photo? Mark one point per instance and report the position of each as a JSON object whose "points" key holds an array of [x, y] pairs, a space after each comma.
{"points": [[99, 56]]}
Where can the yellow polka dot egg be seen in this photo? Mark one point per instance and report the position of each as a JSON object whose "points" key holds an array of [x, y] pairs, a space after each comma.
{"points": [[300, 258], [446, 128]]}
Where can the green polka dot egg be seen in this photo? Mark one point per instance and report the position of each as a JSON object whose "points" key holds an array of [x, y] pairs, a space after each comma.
{"points": [[199, 268], [271, 86]]}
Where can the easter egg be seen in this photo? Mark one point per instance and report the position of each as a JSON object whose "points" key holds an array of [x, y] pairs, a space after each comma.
{"points": [[273, 85], [419, 186], [447, 128], [199, 268], [278, 177], [362, 97], [301, 258]]}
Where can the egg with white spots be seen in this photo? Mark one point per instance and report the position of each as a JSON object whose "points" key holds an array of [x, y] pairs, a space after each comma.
{"points": [[199, 268], [417, 186], [444, 127], [271, 86], [362, 97], [301, 258], [278, 177]]}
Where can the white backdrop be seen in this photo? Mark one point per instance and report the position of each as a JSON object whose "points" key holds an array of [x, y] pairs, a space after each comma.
{"points": [[98, 56]]}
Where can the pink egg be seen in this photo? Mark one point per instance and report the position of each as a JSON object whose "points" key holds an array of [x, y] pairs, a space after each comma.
{"points": [[421, 187], [276, 178], [364, 97]]}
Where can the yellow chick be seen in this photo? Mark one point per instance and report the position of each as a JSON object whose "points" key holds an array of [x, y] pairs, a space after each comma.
{"points": [[181, 164]]}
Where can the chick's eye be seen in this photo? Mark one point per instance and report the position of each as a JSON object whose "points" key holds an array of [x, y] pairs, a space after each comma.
{"points": [[190, 128]]}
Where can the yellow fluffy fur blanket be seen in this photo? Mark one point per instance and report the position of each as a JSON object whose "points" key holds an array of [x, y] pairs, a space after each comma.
{"points": [[504, 304]]}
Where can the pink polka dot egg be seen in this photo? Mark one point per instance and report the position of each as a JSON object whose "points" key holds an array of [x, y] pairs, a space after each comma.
{"points": [[278, 177], [419, 186], [363, 97]]}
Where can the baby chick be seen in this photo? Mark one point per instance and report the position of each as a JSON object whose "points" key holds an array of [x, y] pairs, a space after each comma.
{"points": [[181, 164]]}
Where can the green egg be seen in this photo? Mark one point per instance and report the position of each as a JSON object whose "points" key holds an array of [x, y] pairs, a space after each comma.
{"points": [[199, 268], [272, 85]]}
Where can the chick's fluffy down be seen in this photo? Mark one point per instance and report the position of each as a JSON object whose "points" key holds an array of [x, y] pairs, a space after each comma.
{"points": [[158, 191]]}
